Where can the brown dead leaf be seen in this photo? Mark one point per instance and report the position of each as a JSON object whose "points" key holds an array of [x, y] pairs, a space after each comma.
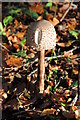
{"points": [[74, 56], [31, 55], [48, 111], [66, 54], [10, 38], [68, 44], [72, 24], [74, 62], [48, 89], [16, 46], [16, 22], [49, 17], [69, 80], [75, 71], [4, 95], [40, 18], [55, 21], [37, 8], [16, 40], [20, 34], [28, 78], [13, 61]]}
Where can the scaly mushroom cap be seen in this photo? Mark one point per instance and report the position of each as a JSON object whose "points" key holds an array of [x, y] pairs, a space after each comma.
{"points": [[41, 35]]}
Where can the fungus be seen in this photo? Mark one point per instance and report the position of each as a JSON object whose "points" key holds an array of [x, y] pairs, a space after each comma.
{"points": [[42, 36]]}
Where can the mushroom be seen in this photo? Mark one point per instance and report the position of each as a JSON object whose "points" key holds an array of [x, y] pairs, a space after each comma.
{"points": [[42, 36]]}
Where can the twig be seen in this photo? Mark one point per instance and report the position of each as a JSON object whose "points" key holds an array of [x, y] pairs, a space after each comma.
{"points": [[66, 12], [33, 72], [4, 47], [61, 56]]}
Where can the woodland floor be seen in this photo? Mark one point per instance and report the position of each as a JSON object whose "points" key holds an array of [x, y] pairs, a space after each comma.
{"points": [[20, 62]]}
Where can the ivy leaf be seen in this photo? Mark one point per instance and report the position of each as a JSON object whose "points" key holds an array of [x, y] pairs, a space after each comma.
{"points": [[34, 15], [7, 20], [74, 33]]}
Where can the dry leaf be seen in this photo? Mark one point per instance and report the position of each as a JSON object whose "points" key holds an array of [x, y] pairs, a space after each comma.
{"points": [[13, 61], [37, 8], [28, 78], [48, 111], [31, 55], [16, 40], [68, 44], [55, 21], [4, 95], [75, 72], [72, 24], [20, 34], [48, 89], [74, 62], [49, 17]]}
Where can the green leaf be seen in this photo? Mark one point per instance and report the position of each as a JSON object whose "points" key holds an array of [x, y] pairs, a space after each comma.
{"points": [[7, 20], [1, 27], [23, 42], [22, 53], [3, 33], [74, 84], [63, 104], [69, 60], [34, 15], [27, 95], [74, 33], [13, 11], [49, 4], [0, 33], [2, 30], [28, 12]]}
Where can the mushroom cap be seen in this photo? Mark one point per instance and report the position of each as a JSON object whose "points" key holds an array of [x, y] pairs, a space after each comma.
{"points": [[41, 35]]}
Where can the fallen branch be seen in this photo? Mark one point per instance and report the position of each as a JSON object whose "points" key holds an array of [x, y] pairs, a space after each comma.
{"points": [[66, 12]]}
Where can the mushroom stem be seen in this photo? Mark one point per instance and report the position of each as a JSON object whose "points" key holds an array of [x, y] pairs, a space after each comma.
{"points": [[41, 71]]}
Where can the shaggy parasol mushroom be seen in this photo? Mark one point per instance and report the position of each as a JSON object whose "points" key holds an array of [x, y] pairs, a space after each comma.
{"points": [[42, 36]]}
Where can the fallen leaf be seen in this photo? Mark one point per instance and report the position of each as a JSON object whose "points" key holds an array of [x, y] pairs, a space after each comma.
{"points": [[48, 111], [68, 44], [31, 55], [4, 95], [16, 40], [72, 24], [37, 8], [74, 62], [13, 61], [49, 16], [55, 21], [75, 71], [20, 34], [48, 89]]}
